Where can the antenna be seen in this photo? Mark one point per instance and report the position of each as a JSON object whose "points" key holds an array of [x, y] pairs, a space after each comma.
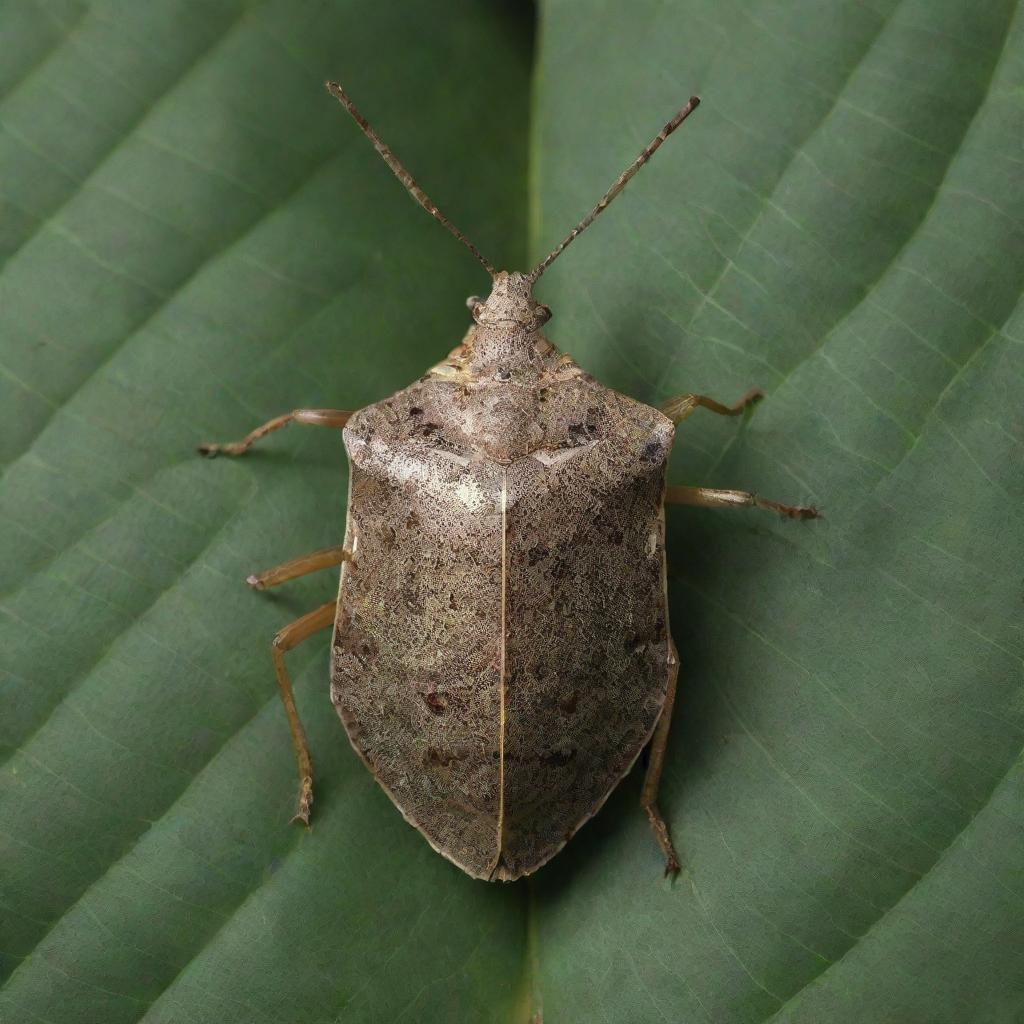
{"points": [[619, 184], [403, 175]]}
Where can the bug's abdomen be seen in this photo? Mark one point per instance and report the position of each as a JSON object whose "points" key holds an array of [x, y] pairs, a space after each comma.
{"points": [[416, 657], [501, 650]]}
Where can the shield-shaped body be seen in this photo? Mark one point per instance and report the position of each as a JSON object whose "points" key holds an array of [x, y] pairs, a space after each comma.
{"points": [[501, 648]]}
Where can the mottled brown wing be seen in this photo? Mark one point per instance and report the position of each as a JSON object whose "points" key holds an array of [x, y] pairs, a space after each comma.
{"points": [[501, 647], [415, 673], [587, 640]]}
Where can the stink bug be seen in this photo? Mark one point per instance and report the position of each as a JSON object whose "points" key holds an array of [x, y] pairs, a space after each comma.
{"points": [[501, 650]]}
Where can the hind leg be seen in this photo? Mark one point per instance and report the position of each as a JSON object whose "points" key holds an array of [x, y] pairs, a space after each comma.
{"points": [[289, 637], [652, 780]]}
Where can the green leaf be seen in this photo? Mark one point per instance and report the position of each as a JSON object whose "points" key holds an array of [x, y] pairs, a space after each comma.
{"points": [[841, 223], [194, 238]]}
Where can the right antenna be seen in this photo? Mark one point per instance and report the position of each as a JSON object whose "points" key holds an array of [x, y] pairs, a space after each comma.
{"points": [[619, 184]]}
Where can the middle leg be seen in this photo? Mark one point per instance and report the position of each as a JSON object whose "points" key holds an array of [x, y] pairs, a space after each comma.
{"points": [[301, 566]]}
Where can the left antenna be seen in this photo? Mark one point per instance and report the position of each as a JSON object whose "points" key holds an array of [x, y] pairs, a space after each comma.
{"points": [[403, 175]]}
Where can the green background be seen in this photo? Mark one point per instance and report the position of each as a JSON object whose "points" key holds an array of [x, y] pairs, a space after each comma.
{"points": [[194, 238]]}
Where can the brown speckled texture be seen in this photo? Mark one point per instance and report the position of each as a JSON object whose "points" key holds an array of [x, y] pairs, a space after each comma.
{"points": [[501, 645]]}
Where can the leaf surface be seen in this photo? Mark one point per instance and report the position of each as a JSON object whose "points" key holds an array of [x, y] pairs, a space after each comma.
{"points": [[195, 238], [840, 223]]}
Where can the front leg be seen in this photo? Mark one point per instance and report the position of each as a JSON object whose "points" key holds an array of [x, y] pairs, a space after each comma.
{"points": [[679, 408], [311, 417], [712, 497]]}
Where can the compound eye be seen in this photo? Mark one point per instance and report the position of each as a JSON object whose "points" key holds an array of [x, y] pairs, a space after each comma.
{"points": [[475, 306], [543, 314]]}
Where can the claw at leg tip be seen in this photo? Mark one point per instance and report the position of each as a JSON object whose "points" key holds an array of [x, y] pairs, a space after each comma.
{"points": [[305, 801], [302, 814]]}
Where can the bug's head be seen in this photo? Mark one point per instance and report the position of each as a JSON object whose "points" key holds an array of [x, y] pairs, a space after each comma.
{"points": [[511, 304]]}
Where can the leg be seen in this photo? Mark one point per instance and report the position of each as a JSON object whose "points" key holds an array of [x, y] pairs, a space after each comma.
{"points": [[678, 408], [286, 639], [301, 566], [311, 417], [649, 793], [709, 497]]}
